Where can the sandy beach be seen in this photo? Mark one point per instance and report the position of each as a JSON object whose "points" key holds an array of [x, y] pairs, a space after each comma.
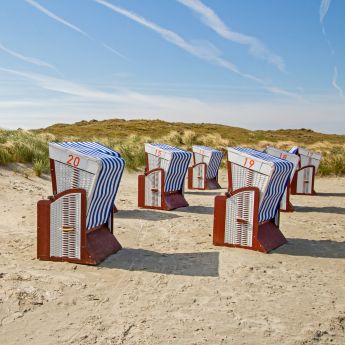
{"points": [[169, 284]]}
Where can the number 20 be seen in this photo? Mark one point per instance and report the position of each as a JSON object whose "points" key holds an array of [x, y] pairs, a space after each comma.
{"points": [[73, 160]]}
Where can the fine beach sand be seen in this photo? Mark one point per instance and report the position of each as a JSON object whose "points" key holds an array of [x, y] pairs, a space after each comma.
{"points": [[170, 285]]}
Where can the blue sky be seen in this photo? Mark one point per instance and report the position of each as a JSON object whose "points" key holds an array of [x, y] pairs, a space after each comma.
{"points": [[258, 64]]}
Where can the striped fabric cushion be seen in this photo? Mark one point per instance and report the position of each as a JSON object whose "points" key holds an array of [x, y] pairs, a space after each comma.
{"points": [[212, 158], [279, 178], [89, 147], [177, 167], [107, 182]]}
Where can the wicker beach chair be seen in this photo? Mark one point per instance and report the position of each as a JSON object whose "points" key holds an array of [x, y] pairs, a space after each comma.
{"points": [[248, 215], [304, 178], [204, 172], [76, 223], [285, 204], [162, 185]]}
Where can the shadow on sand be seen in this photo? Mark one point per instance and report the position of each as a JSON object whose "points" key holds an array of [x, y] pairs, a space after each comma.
{"points": [[331, 194], [204, 264], [205, 192], [145, 214], [313, 248], [326, 209], [195, 209]]}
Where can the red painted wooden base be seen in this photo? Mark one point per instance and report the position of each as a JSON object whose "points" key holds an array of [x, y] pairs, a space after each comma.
{"points": [[174, 200], [169, 200], [293, 189], [95, 245], [210, 184], [266, 236], [269, 237]]}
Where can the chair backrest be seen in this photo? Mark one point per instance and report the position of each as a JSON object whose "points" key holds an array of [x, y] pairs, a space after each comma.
{"points": [[252, 168], [291, 157], [93, 167], [210, 156], [307, 157], [172, 160]]}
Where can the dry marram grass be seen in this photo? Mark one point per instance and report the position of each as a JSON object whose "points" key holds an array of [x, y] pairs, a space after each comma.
{"points": [[128, 138]]}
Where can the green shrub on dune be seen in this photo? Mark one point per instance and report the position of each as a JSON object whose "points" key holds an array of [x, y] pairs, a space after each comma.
{"points": [[333, 162], [40, 166], [5, 155], [31, 147], [21, 146]]}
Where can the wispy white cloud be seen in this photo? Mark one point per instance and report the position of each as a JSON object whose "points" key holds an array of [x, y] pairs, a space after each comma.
{"points": [[203, 51], [52, 15], [335, 83], [115, 95], [246, 114], [18, 104], [114, 51], [324, 7], [90, 94], [283, 92], [57, 18], [72, 101], [27, 59], [62, 85], [212, 20]]}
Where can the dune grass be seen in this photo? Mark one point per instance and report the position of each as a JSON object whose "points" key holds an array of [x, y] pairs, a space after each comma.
{"points": [[21, 146], [128, 137], [155, 129], [333, 162]]}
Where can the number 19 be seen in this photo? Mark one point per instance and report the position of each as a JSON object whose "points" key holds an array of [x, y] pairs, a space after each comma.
{"points": [[249, 163]]}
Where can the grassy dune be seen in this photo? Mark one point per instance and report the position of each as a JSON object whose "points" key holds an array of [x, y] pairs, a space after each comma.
{"points": [[128, 137]]}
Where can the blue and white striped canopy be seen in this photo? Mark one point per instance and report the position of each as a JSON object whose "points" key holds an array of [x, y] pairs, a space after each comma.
{"points": [[279, 179], [107, 180], [294, 150], [177, 167], [214, 160]]}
